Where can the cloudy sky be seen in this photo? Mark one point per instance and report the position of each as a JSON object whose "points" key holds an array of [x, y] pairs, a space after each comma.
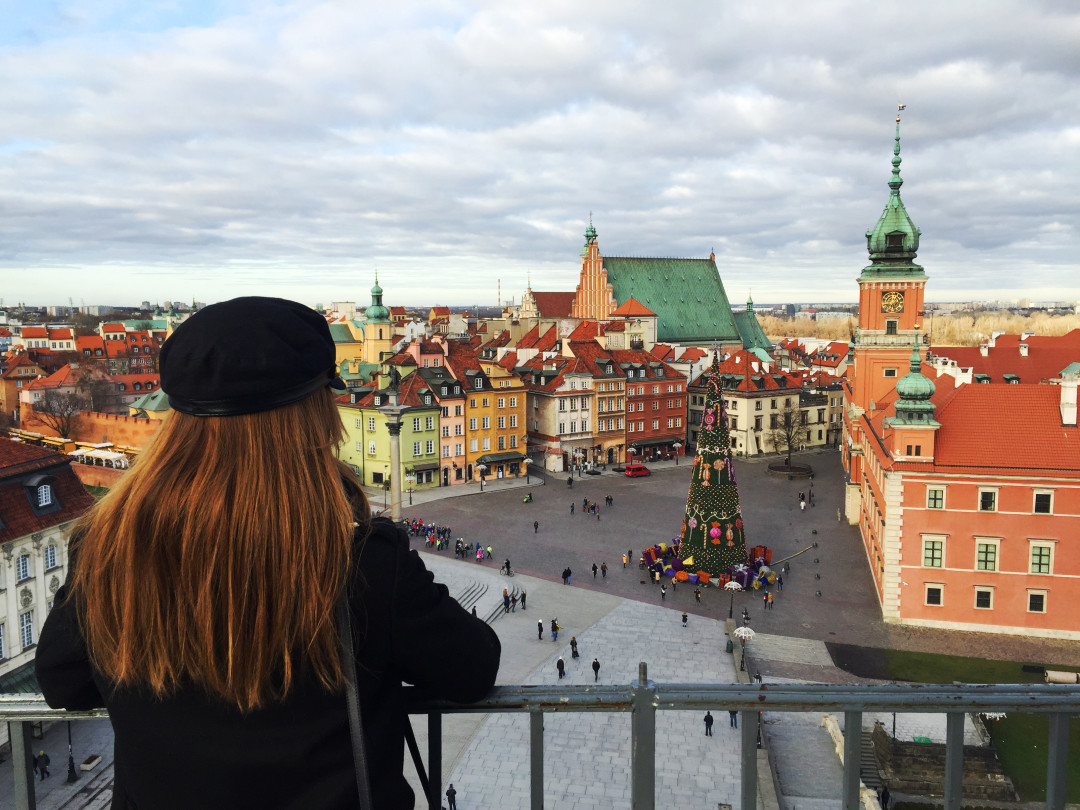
{"points": [[210, 148]]}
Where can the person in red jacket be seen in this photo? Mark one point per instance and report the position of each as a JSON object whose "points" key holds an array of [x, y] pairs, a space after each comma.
{"points": [[201, 601]]}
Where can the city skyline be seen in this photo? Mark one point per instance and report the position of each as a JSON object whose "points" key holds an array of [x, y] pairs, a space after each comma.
{"points": [[296, 149]]}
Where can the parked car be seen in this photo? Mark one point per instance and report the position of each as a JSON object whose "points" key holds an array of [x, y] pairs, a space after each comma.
{"points": [[634, 470]]}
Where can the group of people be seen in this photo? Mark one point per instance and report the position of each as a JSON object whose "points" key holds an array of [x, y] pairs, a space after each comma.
{"points": [[590, 508], [510, 600], [566, 574], [560, 665], [417, 528], [465, 550], [806, 496]]}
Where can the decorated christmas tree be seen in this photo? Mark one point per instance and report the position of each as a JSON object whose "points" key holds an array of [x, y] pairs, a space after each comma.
{"points": [[712, 530]]}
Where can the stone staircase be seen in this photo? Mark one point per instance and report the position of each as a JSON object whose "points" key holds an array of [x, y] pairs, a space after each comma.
{"points": [[918, 769], [473, 593]]}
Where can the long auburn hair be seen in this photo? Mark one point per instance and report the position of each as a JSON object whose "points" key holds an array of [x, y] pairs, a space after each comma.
{"points": [[218, 559]]}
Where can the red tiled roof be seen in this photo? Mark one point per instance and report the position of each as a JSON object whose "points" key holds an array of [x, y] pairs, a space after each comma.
{"points": [[554, 304], [632, 308], [35, 332], [5, 332], [586, 330], [60, 333], [17, 460], [113, 327], [1047, 356]]}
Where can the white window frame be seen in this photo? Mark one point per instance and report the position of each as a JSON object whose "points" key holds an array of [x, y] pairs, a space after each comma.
{"points": [[1034, 497], [371, 447], [416, 424], [1036, 592], [988, 490], [472, 423], [988, 541], [935, 488], [416, 449], [429, 447], [1040, 544], [26, 629], [429, 423], [933, 538], [472, 445], [940, 587], [983, 589], [22, 568], [371, 423], [44, 495], [51, 557], [485, 422], [486, 443]]}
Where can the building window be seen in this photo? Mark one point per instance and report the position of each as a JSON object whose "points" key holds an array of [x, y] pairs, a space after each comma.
{"points": [[446, 451], [935, 498], [987, 500], [485, 401], [1044, 503], [26, 629], [562, 428], [1041, 559], [890, 372], [984, 598], [757, 405], [416, 425], [933, 553], [513, 442], [50, 557], [429, 423], [501, 422], [890, 326], [1036, 601], [935, 594], [429, 447], [22, 568], [734, 422], [986, 556], [371, 448], [485, 422], [487, 443], [457, 410], [44, 495], [501, 402], [416, 448], [502, 443], [371, 423], [757, 422], [472, 423], [446, 431], [513, 420], [472, 445], [2, 655]]}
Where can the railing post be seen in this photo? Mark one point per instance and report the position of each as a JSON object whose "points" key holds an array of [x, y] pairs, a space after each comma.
{"points": [[749, 720], [434, 730], [852, 759], [954, 759], [643, 742], [536, 760], [1057, 760], [22, 760]]}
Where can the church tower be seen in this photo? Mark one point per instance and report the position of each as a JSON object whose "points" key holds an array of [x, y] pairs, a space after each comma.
{"points": [[891, 292], [378, 331], [594, 298]]}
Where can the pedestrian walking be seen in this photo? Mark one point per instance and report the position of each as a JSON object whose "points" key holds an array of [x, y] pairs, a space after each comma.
{"points": [[779, 582], [802, 506], [598, 513], [596, 669], [513, 602], [595, 568], [768, 600], [885, 798], [506, 601], [555, 629], [488, 554], [603, 570], [523, 599], [571, 507], [674, 584], [539, 629], [697, 594], [561, 666], [708, 723], [663, 592], [684, 620], [624, 561], [41, 765], [451, 798], [536, 526], [765, 600], [573, 647], [569, 574], [733, 717], [474, 610], [630, 554]]}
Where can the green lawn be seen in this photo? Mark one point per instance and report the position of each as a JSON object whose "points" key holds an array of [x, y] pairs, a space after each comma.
{"points": [[1021, 739]]}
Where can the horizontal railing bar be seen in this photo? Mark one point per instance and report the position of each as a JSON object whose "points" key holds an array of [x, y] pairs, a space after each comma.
{"points": [[912, 698]]}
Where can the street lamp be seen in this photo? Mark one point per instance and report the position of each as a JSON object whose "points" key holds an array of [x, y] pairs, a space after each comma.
{"points": [[744, 634], [72, 774], [481, 468], [732, 586], [678, 447], [526, 462]]}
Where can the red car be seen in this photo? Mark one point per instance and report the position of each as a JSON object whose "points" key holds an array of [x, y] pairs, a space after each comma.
{"points": [[634, 470]]}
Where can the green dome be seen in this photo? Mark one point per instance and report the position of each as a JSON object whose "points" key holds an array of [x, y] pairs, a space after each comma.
{"points": [[376, 312], [894, 241], [915, 389]]}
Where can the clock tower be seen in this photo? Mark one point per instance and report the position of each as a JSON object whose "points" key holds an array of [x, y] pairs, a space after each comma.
{"points": [[891, 291]]}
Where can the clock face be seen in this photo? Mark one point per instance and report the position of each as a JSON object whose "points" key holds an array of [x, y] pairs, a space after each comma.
{"points": [[892, 301]]}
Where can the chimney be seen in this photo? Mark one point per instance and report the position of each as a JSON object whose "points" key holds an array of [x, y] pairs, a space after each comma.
{"points": [[1023, 350], [984, 349], [1068, 401], [1026, 335]]}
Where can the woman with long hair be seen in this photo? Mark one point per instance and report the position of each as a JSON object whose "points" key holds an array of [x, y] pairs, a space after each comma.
{"points": [[201, 599]]}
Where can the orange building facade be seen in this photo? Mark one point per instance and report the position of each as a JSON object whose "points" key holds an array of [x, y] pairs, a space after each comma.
{"points": [[967, 496]]}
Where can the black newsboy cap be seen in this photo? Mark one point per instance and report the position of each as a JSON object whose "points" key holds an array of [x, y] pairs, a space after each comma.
{"points": [[247, 355]]}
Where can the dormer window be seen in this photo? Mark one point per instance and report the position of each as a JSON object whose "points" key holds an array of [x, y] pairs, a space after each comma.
{"points": [[44, 495], [894, 240]]}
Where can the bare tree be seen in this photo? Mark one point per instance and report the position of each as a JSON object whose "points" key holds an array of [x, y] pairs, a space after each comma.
{"points": [[59, 411], [785, 429]]}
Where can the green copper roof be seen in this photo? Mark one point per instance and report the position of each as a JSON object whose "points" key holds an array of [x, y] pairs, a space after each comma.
{"points": [[914, 391], [341, 334], [753, 336], [154, 401], [894, 241], [686, 294], [376, 313]]}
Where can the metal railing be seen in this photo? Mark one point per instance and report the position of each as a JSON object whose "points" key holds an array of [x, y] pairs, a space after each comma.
{"points": [[644, 698]]}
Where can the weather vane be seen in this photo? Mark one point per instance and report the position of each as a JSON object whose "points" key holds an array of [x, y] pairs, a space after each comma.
{"points": [[899, 109]]}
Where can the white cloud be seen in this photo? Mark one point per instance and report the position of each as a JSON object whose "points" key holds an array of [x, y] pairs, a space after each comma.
{"points": [[295, 147]]}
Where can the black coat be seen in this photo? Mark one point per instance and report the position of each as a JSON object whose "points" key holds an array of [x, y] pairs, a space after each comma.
{"points": [[192, 750]]}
